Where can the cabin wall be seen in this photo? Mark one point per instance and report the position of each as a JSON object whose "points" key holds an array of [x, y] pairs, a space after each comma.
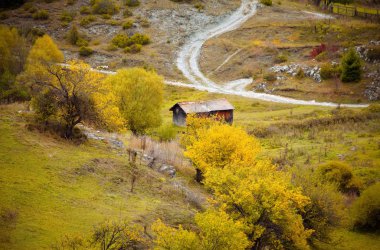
{"points": [[226, 115], [179, 117]]}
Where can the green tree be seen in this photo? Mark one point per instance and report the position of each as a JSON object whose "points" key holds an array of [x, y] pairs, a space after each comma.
{"points": [[326, 211], [104, 7], [73, 35], [139, 96], [216, 231], [351, 66], [366, 209], [341, 175]]}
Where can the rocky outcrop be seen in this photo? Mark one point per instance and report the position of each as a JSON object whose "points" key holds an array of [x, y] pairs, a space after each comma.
{"points": [[313, 72]]}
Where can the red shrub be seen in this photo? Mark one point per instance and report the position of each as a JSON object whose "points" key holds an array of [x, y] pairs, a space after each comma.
{"points": [[318, 50]]}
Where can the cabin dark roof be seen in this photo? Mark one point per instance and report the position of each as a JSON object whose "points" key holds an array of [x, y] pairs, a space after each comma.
{"points": [[204, 106]]}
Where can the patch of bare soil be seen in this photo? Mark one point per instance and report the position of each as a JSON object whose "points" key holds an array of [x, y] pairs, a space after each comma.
{"points": [[169, 25], [284, 35]]}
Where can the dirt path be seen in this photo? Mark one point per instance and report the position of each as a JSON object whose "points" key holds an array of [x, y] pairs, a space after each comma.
{"points": [[189, 54]]}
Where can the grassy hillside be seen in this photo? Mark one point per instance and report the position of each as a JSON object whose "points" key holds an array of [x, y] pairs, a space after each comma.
{"points": [[50, 187]]}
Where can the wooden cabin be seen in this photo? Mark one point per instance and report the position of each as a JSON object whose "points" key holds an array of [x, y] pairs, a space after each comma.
{"points": [[219, 108]]}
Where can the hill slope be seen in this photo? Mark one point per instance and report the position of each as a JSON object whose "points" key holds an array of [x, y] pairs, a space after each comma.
{"points": [[50, 187]]}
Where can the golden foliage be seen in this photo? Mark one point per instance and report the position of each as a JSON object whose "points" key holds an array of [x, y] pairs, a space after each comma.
{"points": [[221, 145], [216, 231], [263, 199], [13, 50], [79, 92], [253, 192], [174, 239]]}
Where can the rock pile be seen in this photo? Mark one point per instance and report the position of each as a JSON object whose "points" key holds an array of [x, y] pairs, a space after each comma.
{"points": [[292, 69], [363, 51], [372, 91]]}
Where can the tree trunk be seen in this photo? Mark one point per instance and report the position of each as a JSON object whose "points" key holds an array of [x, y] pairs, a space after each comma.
{"points": [[199, 176]]}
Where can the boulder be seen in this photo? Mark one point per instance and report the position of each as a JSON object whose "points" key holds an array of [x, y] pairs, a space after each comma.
{"points": [[167, 170]]}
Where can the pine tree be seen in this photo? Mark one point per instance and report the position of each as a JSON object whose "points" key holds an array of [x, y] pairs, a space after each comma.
{"points": [[351, 66]]}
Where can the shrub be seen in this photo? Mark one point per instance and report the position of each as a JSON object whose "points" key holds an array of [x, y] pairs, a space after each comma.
{"points": [[84, 10], [328, 71], [341, 175], [44, 106], [351, 66], [41, 15], [36, 32], [318, 50], [127, 13], [111, 47], [104, 7], [73, 35], [120, 40], [128, 24], [270, 77], [166, 133], [106, 16], [132, 3], [87, 20], [281, 58], [117, 235], [373, 108], [134, 48], [199, 6], [113, 22], [374, 53], [85, 51], [139, 39], [300, 74], [322, 56], [145, 23], [81, 42], [326, 210], [366, 209], [67, 16], [266, 2]]}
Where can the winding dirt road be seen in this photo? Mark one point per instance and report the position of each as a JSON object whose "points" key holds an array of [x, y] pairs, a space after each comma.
{"points": [[189, 54]]}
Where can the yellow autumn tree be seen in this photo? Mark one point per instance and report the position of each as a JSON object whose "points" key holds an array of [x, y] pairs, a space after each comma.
{"points": [[73, 93], [220, 145], [216, 231], [194, 125], [250, 190], [263, 199], [139, 94], [13, 53]]}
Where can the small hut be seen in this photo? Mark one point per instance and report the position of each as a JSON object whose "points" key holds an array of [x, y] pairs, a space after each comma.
{"points": [[219, 108]]}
